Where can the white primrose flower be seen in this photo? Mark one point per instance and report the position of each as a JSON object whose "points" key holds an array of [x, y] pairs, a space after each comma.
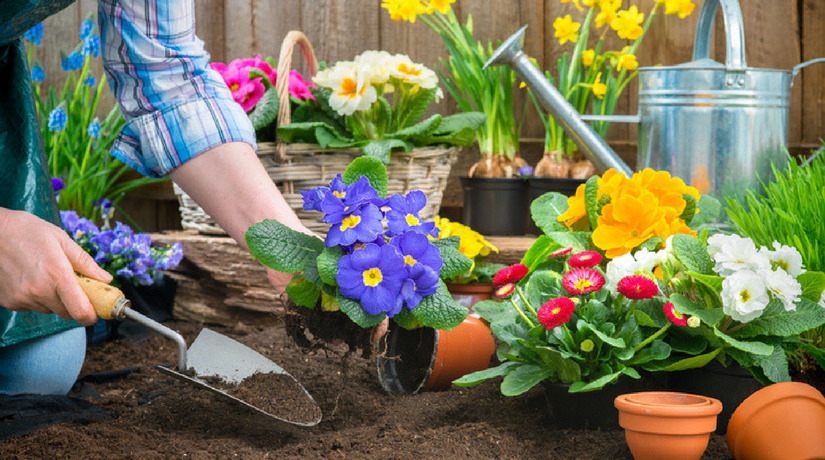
{"points": [[625, 265], [744, 296], [351, 89], [406, 70], [733, 253], [782, 286], [787, 258], [821, 302], [380, 64]]}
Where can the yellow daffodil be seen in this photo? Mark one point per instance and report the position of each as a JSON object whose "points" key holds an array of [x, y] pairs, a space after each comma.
{"points": [[626, 61], [566, 29], [442, 6], [587, 57], [681, 7], [626, 223], [599, 88], [607, 12], [627, 23], [590, 3], [578, 6], [404, 10], [576, 208]]}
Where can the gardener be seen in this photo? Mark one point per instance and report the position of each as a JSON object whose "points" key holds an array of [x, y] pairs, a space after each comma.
{"points": [[181, 122]]}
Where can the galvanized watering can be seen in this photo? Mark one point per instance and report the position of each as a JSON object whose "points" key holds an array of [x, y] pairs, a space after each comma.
{"points": [[716, 126]]}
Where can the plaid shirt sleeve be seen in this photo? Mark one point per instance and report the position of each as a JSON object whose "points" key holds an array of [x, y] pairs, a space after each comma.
{"points": [[175, 106]]}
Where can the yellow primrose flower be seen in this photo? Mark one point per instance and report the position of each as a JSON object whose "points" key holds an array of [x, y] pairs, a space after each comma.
{"points": [[566, 29], [404, 10], [628, 23], [351, 89], [587, 57], [599, 88], [627, 61], [379, 64], [575, 208], [442, 6], [578, 7], [403, 68], [471, 243], [626, 223]]}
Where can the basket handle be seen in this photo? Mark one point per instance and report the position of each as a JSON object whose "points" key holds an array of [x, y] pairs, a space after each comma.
{"points": [[294, 37]]}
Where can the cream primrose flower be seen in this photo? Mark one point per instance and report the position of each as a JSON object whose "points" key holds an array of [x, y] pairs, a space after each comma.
{"points": [[744, 296], [415, 74], [785, 257], [733, 253], [781, 285], [322, 77], [642, 263], [379, 62], [351, 89]]}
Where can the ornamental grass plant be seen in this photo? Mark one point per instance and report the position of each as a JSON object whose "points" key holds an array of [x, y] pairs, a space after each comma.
{"points": [[624, 281]]}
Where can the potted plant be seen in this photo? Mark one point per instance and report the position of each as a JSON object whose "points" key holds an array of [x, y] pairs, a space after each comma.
{"points": [[476, 284], [649, 294], [491, 186], [362, 273]]}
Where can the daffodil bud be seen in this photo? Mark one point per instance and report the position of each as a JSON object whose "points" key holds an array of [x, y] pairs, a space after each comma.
{"points": [[694, 321], [587, 346]]}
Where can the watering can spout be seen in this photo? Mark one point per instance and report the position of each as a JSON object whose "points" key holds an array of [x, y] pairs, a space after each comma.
{"points": [[591, 144]]}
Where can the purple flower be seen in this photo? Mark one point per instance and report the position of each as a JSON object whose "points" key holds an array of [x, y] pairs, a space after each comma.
{"points": [[170, 257], [58, 184], [403, 214], [421, 281], [361, 225], [76, 226], [106, 207], [525, 170], [418, 250], [373, 275], [313, 198]]}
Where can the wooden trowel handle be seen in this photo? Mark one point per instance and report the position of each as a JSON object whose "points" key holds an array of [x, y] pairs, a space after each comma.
{"points": [[109, 301]]}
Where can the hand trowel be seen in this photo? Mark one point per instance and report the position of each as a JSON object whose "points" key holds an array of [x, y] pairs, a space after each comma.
{"points": [[211, 356]]}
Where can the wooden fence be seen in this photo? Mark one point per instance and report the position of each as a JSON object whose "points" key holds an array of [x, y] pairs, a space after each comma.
{"points": [[778, 34]]}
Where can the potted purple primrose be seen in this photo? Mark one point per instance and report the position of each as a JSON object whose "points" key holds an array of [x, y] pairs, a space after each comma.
{"points": [[376, 262]]}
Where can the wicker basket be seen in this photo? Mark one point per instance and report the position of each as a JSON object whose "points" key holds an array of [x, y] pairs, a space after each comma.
{"points": [[297, 167]]}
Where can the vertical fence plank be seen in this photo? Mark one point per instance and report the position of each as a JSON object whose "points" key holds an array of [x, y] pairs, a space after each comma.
{"points": [[341, 29], [239, 39], [812, 83], [272, 20], [209, 24]]}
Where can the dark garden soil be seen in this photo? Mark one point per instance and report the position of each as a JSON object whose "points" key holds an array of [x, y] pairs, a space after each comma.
{"points": [[153, 416]]}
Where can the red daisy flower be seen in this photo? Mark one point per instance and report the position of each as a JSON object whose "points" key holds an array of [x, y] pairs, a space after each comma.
{"points": [[582, 281], [506, 291], [674, 316], [585, 259], [637, 287], [561, 252], [556, 312], [511, 274]]}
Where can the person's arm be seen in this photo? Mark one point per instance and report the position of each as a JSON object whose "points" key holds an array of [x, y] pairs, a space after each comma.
{"points": [[181, 118], [38, 262]]}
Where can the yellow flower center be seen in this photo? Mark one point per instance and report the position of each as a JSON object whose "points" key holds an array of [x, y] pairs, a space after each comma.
{"points": [[583, 284], [412, 220], [783, 264], [349, 88], [677, 315], [409, 260], [339, 194], [405, 69], [350, 222], [745, 295], [234, 86], [372, 277], [555, 311]]}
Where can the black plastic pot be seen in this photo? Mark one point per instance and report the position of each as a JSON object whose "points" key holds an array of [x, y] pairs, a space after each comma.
{"points": [[593, 409], [541, 185], [496, 206], [731, 385]]}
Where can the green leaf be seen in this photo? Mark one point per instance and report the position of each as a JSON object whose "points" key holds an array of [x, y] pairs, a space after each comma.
{"points": [[643, 320], [384, 119], [711, 281], [598, 384], [774, 366], [328, 264], [685, 306], [656, 351], [813, 283], [455, 263], [566, 370], [357, 313], [450, 241], [457, 122], [418, 130], [691, 252], [539, 251], [414, 108], [439, 310], [464, 137], [613, 342], [493, 311], [546, 210], [481, 376], [327, 138], [255, 72], [579, 241], [522, 378], [371, 168], [652, 244], [755, 347], [300, 132], [280, 247], [302, 292], [817, 353], [776, 321], [591, 200], [692, 362], [406, 320], [709, 210], [266, 110], [381, 148], [690, 209], [688, 344]]}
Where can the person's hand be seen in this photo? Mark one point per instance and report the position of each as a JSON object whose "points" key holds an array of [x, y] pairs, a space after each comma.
{"points": [[38, 262]]}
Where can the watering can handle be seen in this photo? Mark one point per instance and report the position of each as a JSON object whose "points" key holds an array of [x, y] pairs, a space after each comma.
{"points": [[734, 33]]}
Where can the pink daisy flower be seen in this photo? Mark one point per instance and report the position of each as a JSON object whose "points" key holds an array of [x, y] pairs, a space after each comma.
{"points": [[674, 316], [581, 281], [556, 312], [506, 291], [637, 287], [561, 252], [585, 259], [511, 274]]}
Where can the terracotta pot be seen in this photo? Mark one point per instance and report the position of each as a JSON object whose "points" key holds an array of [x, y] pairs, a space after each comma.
{"points": [[663, 425], [783, 421], [469, 294], [426, 359]]}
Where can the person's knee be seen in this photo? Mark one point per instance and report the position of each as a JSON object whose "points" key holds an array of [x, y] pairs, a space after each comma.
{"points": [[44, 365]]}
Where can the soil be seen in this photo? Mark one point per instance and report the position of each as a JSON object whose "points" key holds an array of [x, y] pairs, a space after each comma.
{"points": [[154, 416]]}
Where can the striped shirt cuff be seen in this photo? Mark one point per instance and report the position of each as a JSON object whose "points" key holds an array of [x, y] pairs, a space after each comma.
{"points": [[158, 142]]}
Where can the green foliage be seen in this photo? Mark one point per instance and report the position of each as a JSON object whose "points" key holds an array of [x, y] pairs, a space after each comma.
{"points": [[281, 248], [370, 168]]}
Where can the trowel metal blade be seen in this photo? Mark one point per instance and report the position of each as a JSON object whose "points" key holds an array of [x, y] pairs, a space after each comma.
{"points": [[215, 355]]}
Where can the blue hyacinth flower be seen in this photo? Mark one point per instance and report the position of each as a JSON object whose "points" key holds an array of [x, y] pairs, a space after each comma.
{"points": [[94, 128], [90, 81], [361, 225], [87, 27], [35, 34], [58, 118], [403, 214], [91, 46], [38, 74], [373, 275], [73, 61]]}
